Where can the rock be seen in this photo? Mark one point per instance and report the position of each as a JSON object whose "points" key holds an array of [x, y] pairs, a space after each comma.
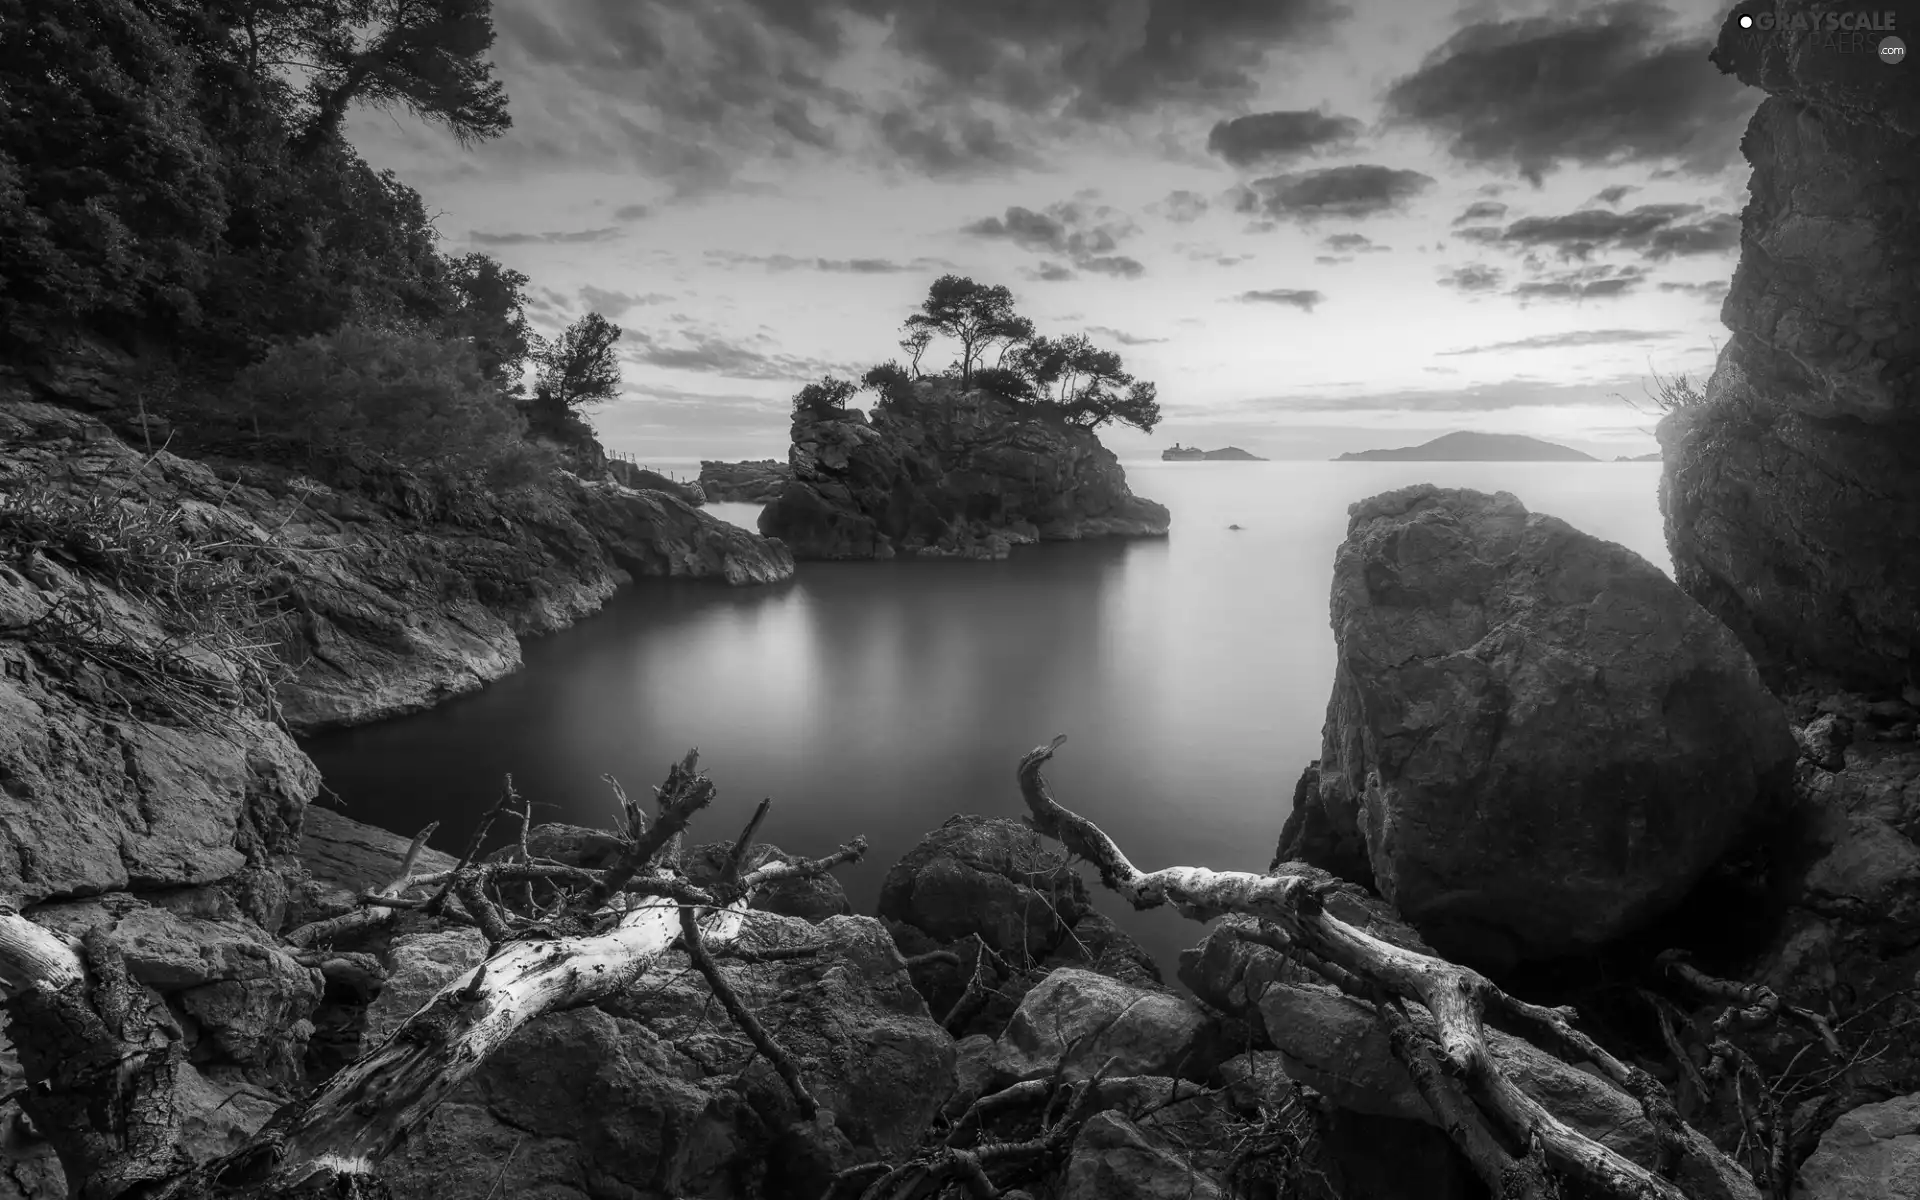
{"points": [[1542, 743], [1077, 1022], [972, 1072], [418, 965], [631, 475], [991, 876], [949, 474], [755, 482], [1792, 494], [1112, 1159], [1337, 1046], [653, 1092], [813, 899], [344, 858], [1823, 741], [1871, 1153]]}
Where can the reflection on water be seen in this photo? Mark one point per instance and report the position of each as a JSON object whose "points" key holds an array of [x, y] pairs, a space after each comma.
{"points": [[1190, 674]]}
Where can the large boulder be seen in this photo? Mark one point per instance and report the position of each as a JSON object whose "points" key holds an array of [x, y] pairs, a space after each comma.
{"points": [[656, 1093], [1871, 1153], [1792, 493], [1076, 1024], [1540, 740], [947, 473], [754, 482]]}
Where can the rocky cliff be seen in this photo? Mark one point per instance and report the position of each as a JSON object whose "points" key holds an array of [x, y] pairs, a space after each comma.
{"points": [[948, 474], [756, 481], [1792, 493]]}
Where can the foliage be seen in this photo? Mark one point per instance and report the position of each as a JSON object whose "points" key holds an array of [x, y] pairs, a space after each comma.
{"points": [[825, 399], [491, 316], [891, 380], [1007, 382], [974, 314], [382, 394], [579, 367], [915, 344], [1668, 393]]}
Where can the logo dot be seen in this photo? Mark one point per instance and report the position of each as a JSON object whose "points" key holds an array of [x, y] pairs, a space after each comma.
{"points": [[1893, 50], [1746, 22]]}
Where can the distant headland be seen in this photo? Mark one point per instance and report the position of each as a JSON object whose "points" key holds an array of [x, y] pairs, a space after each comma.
{"points": [[1179, 453], [1474, 447]]}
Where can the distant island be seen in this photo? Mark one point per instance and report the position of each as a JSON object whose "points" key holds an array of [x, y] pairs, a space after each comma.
{"points": [[1653, 456], [1474, 447], [1179, 453]]}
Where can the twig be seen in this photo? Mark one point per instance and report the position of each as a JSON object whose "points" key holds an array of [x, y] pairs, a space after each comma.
{"points": [[748, 1023], [730, 873]]}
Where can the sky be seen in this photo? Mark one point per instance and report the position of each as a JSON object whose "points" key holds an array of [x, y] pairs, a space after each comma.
{"points": [[1317, 226]]}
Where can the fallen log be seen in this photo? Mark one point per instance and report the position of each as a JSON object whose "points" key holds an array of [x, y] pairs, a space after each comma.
{"points": [[1501, 1114]]}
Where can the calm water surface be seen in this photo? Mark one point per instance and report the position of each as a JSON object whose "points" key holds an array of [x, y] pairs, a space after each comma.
{"points": [[1190, 675]]}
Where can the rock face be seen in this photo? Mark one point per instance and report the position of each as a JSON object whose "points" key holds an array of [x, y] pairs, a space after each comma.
{"points": [[399, 596], [640, 479], [757, 481], [1871, 1153], [1539, 740], [949, 475], [1792, 493]]}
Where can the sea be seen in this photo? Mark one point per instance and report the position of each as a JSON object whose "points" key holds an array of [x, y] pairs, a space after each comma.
{"points": [[1189, 674]]}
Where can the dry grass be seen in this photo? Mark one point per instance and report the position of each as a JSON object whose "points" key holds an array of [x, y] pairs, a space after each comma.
{"points": [[217, 654]]}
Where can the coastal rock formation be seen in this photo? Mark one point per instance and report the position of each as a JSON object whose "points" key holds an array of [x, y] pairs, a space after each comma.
{"points": [[757, 481], [965, 475], [398, 597], [1792, 491], [632, 475], [1541, 742]]}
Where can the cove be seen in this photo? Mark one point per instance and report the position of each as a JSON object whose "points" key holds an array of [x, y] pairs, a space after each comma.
{"points": [[1190, 675]]}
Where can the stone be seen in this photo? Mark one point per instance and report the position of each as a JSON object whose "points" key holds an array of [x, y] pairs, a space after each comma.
{"points": [[1113, 1159], [1871, 1153], [654, 1092], [631, 475], [1079, 1023], [1542, 742], [813, 899], [1792, 493], [991, 876], [949, 474], [344, 858], [755, 482]]}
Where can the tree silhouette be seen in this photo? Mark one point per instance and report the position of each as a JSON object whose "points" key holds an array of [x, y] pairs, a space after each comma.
{"points": [[579, 367], [974, 314]]}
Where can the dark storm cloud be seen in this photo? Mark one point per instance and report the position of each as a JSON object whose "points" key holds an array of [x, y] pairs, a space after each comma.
{"points": [[481, 238], [611, 304], [1180, 207], [1261, 139], [1356, 191], [1655, 231], [1581, 283], [1473, 278], [1092, 57], [843, 266], [1615, 194], [1121, 336], [1481, 210], [1302, 299], [1086, 235], [1610, 84], [949, 143], [1581, 337]]}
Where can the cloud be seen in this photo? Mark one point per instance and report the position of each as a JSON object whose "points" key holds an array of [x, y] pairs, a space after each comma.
{"points": [[1579, 337], [1355, 191], [1084, 234], [1121, 336], [844, 266], [571, 237], [1503, 396], [1481, 210], [1711, 289], [1615, 194], [1473, 278], [1613, 83], [611, 304], [631, 212], [1302, 299], [709, 352], [950, 143], [1354, 243], [1180, 207], [1273, 137], [1049, 272], [1656, 231], [1581, 283]]}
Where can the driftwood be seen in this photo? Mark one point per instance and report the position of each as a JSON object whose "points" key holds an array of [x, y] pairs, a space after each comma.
{"points": [[1493, 1113], [102, 1053]]}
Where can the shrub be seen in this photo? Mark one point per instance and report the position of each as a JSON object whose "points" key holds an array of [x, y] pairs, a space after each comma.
{"points": [[1005, 381], [826, 399], [407, 398], [891, 380]]}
